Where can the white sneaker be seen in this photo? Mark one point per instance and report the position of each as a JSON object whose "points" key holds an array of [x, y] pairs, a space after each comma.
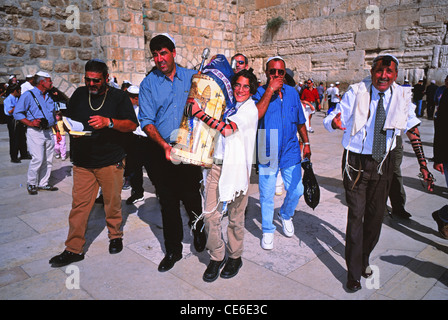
{"points": [[57, 156], [267, 242], [288, 226]]}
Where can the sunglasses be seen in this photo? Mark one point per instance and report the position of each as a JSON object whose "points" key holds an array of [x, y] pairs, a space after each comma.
{"points": [[240, 62], [273, 72], [94, 80]]}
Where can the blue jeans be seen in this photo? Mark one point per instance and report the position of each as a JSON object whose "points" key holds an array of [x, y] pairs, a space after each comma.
{"points": [[292, 179], [418, 110]]}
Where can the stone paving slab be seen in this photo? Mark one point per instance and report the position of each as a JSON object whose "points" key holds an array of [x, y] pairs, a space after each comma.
{"points": [[411, 256]]}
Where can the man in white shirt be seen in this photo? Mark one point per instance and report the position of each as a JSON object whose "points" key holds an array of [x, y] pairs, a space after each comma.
{"points": [[28, 84], [366, 175]]}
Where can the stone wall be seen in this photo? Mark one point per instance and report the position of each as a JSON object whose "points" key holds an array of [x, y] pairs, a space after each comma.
{"points": [[34, 35], [336, 40], [327, 40]]}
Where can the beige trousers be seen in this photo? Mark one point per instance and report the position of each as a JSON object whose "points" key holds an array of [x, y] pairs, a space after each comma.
{"points": [[86, 183], [213, 218]]}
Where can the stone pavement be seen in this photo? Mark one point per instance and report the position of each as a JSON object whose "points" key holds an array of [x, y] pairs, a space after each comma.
{"points": [[411, 257]]}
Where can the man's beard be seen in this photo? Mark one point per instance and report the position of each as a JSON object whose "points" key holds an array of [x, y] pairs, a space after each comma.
{"points": [[96, 91]]}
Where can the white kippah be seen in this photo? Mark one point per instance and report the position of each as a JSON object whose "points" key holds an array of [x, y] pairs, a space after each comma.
{"points": [[133, 90], [169, 37], [43, 74], [276, 57]]}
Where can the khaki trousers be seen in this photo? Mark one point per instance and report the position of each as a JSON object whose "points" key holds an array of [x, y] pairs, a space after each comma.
{"points": [[86, 183], [213, 217]]}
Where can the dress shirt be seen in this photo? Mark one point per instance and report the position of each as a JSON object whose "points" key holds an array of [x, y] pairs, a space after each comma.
{"points": [[283, 116], [27, 108], [362, 141], [9, 103], [162, 101]]}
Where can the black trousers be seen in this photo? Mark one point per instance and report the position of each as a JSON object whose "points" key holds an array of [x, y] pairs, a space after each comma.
{"points": [[366, 197], [139, 157], [17, 138], [175, 183], [397, 195]]}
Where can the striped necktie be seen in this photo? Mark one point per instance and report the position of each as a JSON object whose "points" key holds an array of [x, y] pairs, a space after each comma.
{"points": [[379, 137]]}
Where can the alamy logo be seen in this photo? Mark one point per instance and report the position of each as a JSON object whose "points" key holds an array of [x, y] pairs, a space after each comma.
{"points": [[72, 21], [72, 281]]}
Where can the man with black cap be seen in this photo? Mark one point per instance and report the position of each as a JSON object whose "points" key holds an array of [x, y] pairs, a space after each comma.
{"points": [[372, 113], [162, 98]]}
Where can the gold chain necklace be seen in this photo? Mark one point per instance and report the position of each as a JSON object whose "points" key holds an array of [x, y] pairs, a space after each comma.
{"points": [[104, 99]]}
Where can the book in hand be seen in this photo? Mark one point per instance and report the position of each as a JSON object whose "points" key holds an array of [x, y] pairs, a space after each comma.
{"points": [[75, 128]]}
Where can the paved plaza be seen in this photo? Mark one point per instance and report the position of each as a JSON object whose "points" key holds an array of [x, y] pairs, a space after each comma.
{"points": [[411, 258]]}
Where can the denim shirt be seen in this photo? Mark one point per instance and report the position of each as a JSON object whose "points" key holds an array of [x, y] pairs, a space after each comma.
{"points": [[280, 120], [27, 107], [162, 101]]}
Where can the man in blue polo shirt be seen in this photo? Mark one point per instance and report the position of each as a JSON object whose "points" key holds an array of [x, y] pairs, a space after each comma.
{"points": [[36, 110], [281, 117], [163, 94]]}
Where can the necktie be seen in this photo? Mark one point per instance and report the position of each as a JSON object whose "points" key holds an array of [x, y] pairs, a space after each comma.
{"points": [[379, 137]]}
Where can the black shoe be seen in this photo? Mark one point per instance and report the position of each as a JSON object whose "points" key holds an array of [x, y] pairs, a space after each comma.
{"points": [[441, 226], [231, 268], [353, 285], [31, 189], [48, 188], [16, 161], [168, 262], [403, 214], [115, 245], [27, 157], [65, 258], [212, 271], [134, 198], [200, 238]]}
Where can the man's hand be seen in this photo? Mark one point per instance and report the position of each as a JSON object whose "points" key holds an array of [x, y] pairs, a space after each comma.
{"points": [[428, 177], [439, 167], [98, 122], [337, 123], [168, 149], [307, 151], [276, 84]]}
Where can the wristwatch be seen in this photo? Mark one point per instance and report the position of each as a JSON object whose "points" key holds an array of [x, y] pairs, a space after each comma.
{"points": [[111, 123]]}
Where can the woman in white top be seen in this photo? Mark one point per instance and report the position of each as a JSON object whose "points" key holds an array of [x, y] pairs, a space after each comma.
{"points": [[228, 179]]}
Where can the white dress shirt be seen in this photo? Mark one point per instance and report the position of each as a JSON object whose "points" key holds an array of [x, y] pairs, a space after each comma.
{"points": [[362, 141]]}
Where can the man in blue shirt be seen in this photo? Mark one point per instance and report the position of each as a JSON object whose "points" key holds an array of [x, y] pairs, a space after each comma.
{"points": [[281, 117], [163, 94], [17, 131], [36, 110]]}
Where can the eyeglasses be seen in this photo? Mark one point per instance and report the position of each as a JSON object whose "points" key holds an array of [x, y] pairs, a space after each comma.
{"points": [[240, 62], [238, 86], [94, 80], [273, 72]]}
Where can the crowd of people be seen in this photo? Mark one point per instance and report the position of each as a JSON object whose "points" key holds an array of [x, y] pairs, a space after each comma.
{"points": [[132, 127]]}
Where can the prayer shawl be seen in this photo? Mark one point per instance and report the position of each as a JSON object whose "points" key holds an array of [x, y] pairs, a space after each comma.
{"points": [[239, 153], [397, 113]]}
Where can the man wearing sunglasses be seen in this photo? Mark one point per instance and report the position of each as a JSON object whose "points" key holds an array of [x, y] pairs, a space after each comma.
{"points": [[280, 117], [98, 159], [241, 62]]}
